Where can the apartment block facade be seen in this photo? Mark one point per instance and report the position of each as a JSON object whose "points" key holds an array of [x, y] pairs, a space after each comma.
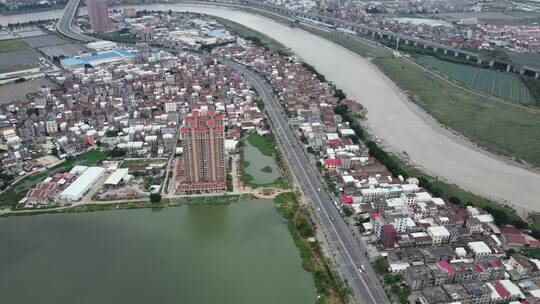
{"points": [[99, 15], [204, 162]]}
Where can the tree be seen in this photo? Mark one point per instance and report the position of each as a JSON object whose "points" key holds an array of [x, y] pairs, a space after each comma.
{"points": [[117, 153], [380, 265], [404, 294], [389, 278], [155, 197], [310, 150], [341, 109], [111, 133], [347, 211], [455, 200], [340, 94]]}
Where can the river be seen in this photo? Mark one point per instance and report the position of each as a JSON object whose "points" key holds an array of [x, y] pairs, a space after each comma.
{"points": [[402, 124], [240, 253]]}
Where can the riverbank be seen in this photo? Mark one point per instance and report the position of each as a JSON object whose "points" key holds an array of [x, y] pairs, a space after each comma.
{"points": [[515, 135], [329, 285], [450, 192], [139, 204]]}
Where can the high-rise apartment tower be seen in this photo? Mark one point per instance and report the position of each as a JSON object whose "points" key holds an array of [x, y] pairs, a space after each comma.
{"points": [[99, 15], [203, 162]]}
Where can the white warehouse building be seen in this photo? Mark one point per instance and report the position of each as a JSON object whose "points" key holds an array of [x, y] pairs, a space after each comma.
{"points": [[82, 184]]}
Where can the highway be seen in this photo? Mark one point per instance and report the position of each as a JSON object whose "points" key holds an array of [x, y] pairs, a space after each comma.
{"points": [[350, 255], [64, 25]]}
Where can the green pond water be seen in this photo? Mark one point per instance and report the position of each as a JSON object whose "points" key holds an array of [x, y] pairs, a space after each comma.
{"points": [[257, 161], [237, 253]]}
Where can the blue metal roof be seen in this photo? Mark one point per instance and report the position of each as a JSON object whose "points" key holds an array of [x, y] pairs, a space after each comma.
{"points": [[82, 60]]}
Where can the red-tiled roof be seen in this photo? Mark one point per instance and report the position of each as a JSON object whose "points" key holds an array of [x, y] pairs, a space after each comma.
{"points": [[500, 289], [332, 161], [446, 266]]}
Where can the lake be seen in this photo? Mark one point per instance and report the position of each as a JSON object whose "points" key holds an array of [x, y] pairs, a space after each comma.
{"points": [[236, 253]]}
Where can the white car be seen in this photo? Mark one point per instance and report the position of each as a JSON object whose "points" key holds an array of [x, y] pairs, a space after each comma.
{"points": [[318, 209], [319, 189], [360, 270]]}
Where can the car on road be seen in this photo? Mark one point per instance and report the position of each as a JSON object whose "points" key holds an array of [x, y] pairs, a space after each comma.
{"points": [[319, 189], [318, 209], [363, 267], [331, 218], [360, 270]]}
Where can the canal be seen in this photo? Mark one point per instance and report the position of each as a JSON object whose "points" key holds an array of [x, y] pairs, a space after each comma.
{"points": [[236, 253]]}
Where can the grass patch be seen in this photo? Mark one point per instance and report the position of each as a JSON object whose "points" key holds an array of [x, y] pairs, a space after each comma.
{"points": [[121, 36], [264, 143], [328, 284], [267, 169], [140, 163], [12, 45], [18, 191]]}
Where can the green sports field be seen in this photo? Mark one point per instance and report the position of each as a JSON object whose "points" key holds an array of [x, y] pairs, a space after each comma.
{"points": [[505, 85]]}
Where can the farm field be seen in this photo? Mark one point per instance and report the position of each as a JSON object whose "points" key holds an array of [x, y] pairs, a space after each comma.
{"points": [[504, 85]]}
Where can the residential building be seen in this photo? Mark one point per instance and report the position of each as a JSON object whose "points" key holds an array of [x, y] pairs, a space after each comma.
{"points": [[99, 15], [204, 164]]}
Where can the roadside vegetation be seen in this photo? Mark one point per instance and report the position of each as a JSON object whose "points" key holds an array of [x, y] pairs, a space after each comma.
{"points": [[328, 283], [11, 197]]}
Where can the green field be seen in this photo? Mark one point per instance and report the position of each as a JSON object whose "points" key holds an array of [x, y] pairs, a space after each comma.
{"points": [[265, 144], [501, 84], [19, 190], [12, 45], [141, 163], [121, 36]]}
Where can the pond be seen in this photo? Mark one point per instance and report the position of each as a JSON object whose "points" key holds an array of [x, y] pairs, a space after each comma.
{"points": [[262, 168]]}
